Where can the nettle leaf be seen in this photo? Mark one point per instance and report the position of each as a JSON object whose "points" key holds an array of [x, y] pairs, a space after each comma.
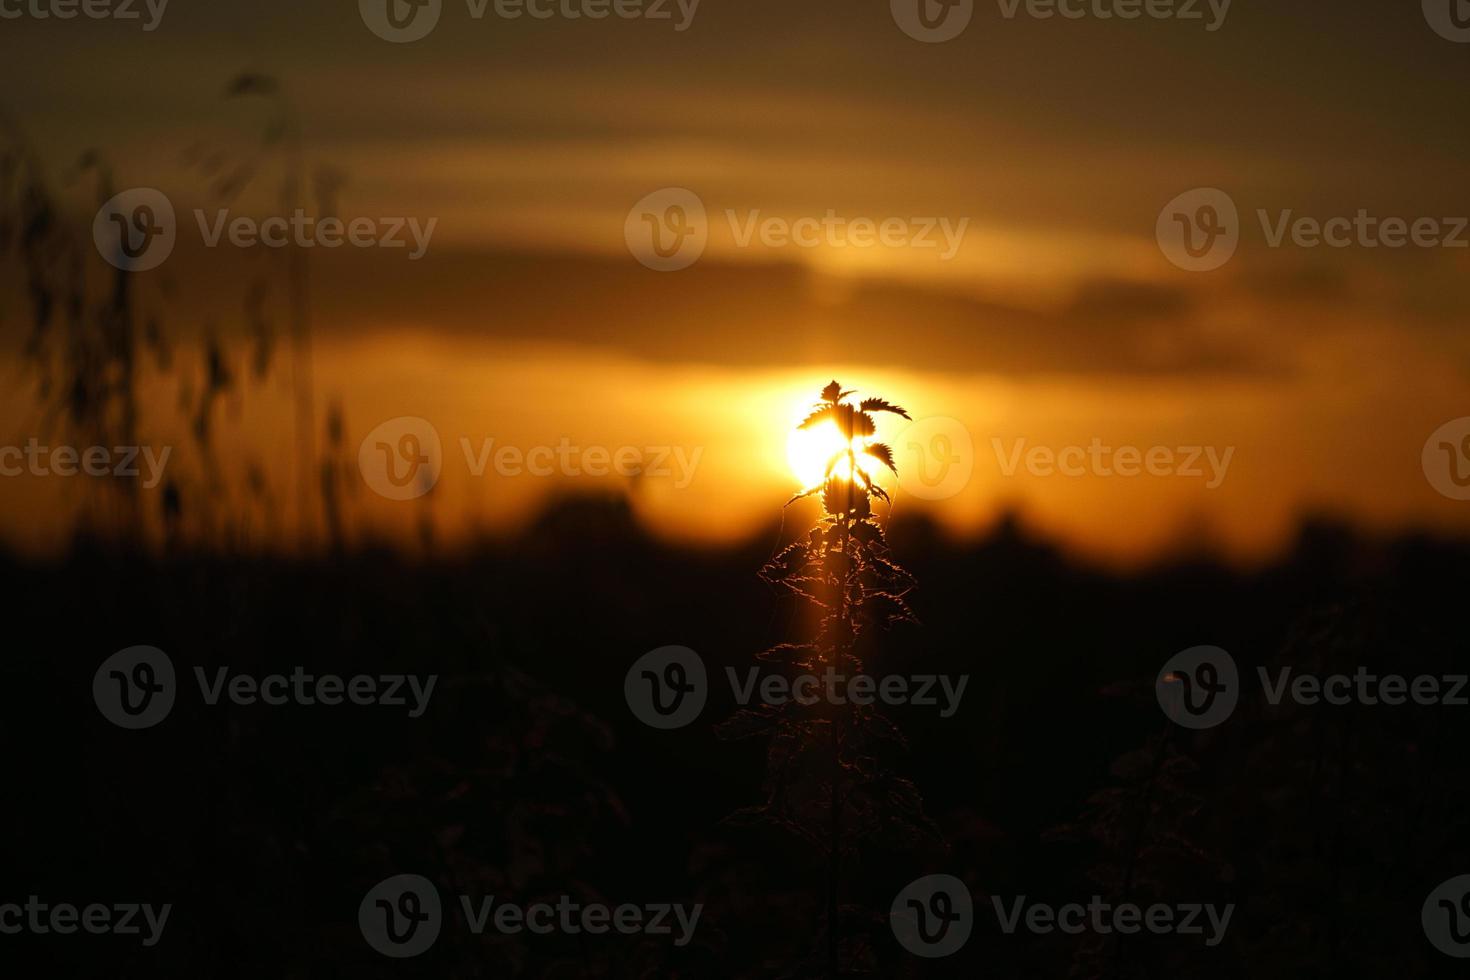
{"points": [[882, 453], [835, 495], [792, 559], [883, 569], [866, 532], [832, 392], [787, 653], [885, 608], [749, 721], [881, 405], [873, 489], [805, 493], [823, 414]]}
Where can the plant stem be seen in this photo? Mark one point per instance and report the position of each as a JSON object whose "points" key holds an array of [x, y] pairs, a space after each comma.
{"points": [[843, 638]]}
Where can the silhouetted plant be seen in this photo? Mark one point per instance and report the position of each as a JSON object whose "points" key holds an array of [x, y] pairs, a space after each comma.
{"points": [[830, 779], [87, 335]]}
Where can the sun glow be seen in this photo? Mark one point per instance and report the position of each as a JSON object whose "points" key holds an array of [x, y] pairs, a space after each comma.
{"points": [[808, 451]]}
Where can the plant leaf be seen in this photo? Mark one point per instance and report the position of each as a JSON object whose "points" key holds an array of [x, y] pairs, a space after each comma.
{"points": [[881, 405], [818, 417], [882, 453], [805, 493]]}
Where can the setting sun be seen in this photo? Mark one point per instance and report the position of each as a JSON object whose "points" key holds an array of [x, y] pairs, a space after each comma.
{"points": [[808, 451], [811, 446]]}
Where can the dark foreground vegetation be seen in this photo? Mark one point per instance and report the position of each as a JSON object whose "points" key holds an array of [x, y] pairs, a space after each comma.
{"points": [[528, 778]]}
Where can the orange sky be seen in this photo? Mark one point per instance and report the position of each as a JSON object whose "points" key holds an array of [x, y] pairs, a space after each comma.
{"points": [[1057, 320]]}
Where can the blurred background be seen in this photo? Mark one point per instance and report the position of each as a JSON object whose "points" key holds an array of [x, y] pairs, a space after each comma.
{"points": [[1323, 381]]}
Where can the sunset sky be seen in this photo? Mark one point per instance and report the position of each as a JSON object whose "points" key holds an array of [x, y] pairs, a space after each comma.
{"points": [[1053, 143]]}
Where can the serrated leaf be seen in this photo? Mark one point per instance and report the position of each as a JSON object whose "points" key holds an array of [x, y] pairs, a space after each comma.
{"points": [[823, 414], [881, 405], [882, 453]]}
